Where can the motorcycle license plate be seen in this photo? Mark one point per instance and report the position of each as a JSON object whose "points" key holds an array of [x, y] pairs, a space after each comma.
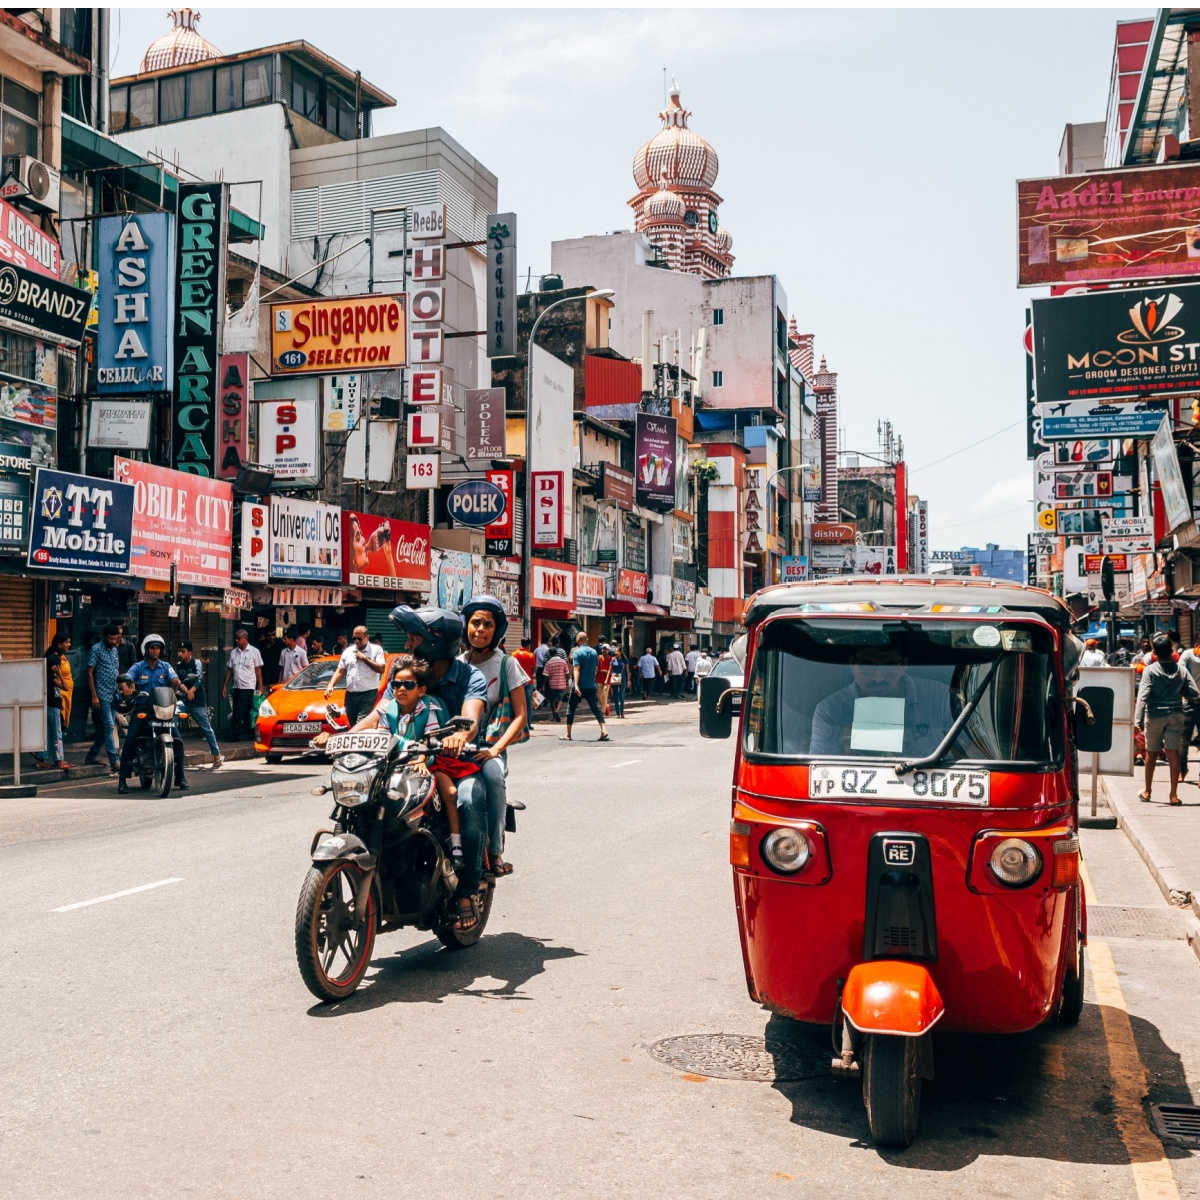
{"points": [[952, 785], [367, 742], [300, 727]]}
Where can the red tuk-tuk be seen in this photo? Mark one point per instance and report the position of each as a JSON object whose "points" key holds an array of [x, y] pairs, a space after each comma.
{"points": [[904, 835]]}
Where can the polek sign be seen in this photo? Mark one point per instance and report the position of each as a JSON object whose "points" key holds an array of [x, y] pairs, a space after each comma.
{"points": [[476, 503]]}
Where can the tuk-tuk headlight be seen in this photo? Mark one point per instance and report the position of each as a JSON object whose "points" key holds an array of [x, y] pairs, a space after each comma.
{"points": [[1016, 862], [786, 850]]}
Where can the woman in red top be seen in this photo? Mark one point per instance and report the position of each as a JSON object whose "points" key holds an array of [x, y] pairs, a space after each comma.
{"points": [[603, 678], [528, 664]]}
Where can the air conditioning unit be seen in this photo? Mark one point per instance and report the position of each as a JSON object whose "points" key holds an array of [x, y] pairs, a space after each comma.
{"points": [[43, 182]]}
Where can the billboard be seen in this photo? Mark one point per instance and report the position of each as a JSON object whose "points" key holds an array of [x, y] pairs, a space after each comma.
{"points": [[133, 336], [255, 543], [385, 553], [548, 524], [1128, 342], [25, 244], [654, 460], [350, 333], [501, 285], [1073, 420], [201, 230], [553, 406], [15, 468], [485, 421], [232, 440], [119, 424], [80, 523], [589, 592], [178, 519], [499, 534], [793, 568], [289, 441], [306, 540], [1108, 225]]}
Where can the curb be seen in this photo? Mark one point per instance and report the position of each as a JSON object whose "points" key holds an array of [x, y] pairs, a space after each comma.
{"points": [[1170, 879], [81, 771]]}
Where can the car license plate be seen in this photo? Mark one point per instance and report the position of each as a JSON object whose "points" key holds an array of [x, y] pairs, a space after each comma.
{"points": [[299, 727], [858, 781], [367, 742]]}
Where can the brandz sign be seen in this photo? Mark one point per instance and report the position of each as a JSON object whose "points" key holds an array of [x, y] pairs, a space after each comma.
{"points": [[80, 523], [1131, 342], [43, 305]]}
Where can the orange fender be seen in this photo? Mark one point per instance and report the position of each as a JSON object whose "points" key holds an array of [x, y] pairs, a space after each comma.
{"points": [[893, 997]]}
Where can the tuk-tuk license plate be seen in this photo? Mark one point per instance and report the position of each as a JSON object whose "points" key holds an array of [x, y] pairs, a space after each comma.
{"points": [[936, 784]]}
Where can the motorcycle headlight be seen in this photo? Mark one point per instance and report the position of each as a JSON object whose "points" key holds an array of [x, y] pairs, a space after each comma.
{"points": [[786, 850], [1016, 862], [350, 790], [265, 709], [165, 712]]}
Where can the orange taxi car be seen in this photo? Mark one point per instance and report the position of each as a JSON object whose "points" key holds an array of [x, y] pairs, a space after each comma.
{"points": [[294, 712]]}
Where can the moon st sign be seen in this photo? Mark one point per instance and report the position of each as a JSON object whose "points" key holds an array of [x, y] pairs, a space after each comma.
{"points": [[476, 503]]}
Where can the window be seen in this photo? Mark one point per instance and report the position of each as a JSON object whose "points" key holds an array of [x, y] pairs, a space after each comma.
{"points": [[229, 88], [172, 98], [21, 98], [306, 94], [257, 88], [20, 120], [118, 109], [141, 105], [718, 316], [718, 379], [200, 93]]}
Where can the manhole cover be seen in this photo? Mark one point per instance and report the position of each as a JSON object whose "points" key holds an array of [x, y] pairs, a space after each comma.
{"points": [[1110, 920], [1178, 1122], [736, 1056]]}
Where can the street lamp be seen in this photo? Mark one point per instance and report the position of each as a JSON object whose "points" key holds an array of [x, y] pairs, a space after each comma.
{"points": [[771, 479], [527, 534]]}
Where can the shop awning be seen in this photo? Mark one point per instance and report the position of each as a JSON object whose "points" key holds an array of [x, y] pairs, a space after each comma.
{"points": [[639, 608]]}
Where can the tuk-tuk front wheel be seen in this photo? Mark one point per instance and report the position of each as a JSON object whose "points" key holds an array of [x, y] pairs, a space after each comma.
{"points": [[891, 1078], [1070, 1007]]}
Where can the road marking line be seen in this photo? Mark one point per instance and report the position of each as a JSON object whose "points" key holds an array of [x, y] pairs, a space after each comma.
{"points": [[133, 891], [627, 763], [1152, 1174], [1089, 892]]}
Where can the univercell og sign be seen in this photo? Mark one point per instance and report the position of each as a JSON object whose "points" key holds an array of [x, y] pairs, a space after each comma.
{"points": [[306, 540]]}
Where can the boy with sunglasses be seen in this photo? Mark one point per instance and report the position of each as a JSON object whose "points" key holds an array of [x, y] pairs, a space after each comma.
{"points": [[412, 714]]}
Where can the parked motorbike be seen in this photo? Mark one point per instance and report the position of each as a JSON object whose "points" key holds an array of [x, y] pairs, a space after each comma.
{"points": [[154, 760], [384, 864]]}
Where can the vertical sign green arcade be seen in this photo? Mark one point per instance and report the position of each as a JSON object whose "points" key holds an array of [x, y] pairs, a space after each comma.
{"points": [[199, 315]]}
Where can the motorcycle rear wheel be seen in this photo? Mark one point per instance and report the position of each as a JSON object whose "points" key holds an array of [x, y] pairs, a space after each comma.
{"points": [[164, 769], [891, 1083], [457, 939], [329, 931]]}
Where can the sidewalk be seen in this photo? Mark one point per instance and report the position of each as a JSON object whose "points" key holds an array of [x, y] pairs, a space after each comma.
{"points": [[1168, 839]]}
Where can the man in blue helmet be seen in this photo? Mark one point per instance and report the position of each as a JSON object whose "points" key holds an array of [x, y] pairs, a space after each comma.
{"points": [[435, 634]]}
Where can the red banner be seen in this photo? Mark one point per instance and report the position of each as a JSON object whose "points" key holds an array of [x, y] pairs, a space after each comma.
{"points": [[553, 585], [500, 533], [232, 434], [632, 585], [547, 509], [381, 552], [24, 244], [179, 519]]}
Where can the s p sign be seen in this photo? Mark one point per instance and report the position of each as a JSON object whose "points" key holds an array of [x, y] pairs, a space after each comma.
{"points": [[476, 503]]}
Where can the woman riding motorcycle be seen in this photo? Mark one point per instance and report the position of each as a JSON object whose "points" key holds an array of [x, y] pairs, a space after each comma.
{"points": [[506, 679]]}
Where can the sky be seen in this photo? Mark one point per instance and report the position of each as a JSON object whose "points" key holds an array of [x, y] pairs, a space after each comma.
{"points": [[867, 158]]}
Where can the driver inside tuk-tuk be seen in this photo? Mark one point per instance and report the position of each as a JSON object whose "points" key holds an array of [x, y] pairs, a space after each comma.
{"points": [[886, 709]]}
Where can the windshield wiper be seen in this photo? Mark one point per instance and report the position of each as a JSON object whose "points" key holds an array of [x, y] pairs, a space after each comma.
{"points": [[939, 751]]}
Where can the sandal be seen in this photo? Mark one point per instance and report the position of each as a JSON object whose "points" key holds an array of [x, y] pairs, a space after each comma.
{"points": [[500, 867], [566, 737], [1175, 801], [467, 918], [1145, 799], [605, 738]]}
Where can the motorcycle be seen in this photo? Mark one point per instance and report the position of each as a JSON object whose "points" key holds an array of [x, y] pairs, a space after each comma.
{"points": [[384, 864], [154, 760]]}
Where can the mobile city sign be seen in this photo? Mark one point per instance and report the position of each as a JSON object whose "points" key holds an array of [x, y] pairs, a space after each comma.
{"points": [[1139, 224], [201, 235], [1070, 420], [1127, 342], [133, 342], [80, 523], [476, 503]]}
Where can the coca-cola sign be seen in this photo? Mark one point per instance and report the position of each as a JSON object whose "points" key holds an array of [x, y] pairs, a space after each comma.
{"points": [[381, 552]]}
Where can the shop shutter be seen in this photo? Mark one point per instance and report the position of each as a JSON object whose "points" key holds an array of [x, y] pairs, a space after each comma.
{"points": [[377, 623], [17, 626]]}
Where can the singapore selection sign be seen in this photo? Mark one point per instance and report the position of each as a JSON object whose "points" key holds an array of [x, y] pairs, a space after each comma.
{"points": [[1117, 343]]}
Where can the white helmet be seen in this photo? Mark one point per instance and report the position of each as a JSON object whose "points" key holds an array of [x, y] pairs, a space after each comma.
{"points": [[152, 639]]}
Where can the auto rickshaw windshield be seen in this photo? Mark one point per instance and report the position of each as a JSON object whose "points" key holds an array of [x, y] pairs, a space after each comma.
{"points": [[893, 688]]}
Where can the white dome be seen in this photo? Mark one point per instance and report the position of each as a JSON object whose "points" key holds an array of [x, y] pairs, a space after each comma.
{"points": [[180, 46], [679, 152]]}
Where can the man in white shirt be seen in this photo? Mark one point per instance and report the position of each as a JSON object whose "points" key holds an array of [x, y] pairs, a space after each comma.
{"points": [[676, 667], [245, 670], [704, 666], [362, 665], [1093, 656], [691, 658], [292, 657], [647, 668]]}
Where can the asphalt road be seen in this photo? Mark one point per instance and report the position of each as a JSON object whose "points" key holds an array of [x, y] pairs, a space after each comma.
{"points": [[159, 1042]]}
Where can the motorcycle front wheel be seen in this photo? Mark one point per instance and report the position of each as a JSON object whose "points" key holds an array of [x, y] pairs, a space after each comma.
{"points": [[333, 938], [164, 768], [458, 939]]}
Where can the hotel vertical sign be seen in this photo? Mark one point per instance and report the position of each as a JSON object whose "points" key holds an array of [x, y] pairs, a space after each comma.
{"points": [[199, 313]]}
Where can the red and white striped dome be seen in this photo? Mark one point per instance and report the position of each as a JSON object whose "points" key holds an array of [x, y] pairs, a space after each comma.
{"points": [[180, 46], [664, 207], [679, 152]]}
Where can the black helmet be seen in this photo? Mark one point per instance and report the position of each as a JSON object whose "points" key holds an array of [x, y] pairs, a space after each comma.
{"points": [[439, 629], [485, 603]]}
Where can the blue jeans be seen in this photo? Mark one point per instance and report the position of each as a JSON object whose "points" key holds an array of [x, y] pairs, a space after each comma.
{"points": [[199, 714], [494, 773], [106, 733], [472, 816], [618, 698], [54, 736]]}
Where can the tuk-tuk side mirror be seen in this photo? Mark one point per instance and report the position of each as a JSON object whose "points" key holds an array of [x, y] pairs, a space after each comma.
{"points": [[716, 721], [1094, 719]]}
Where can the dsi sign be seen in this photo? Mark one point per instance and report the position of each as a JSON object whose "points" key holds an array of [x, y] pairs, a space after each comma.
{"points": [[80, 523], [476, 503], [134, 351]]}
